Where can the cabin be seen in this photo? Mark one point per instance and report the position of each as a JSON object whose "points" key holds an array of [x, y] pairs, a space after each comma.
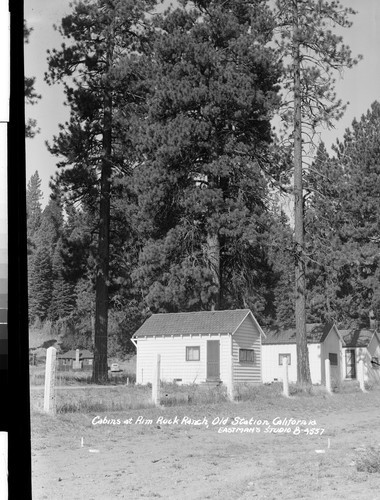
{"points": [[78, 359], [361, 344], [324, 342], [198, 347]]}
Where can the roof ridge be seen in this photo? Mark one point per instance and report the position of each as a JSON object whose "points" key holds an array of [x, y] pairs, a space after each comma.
{"points": [[193, 322], [198, 312]]}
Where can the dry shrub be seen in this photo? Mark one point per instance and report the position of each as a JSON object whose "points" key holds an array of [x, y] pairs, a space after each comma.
{"points": [[192, 394], [301, 389], [89, 399], [72, 377], [368, 460], [250, 392]]}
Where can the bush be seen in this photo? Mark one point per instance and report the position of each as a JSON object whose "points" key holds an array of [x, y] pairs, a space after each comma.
{"points": [[90, 400], [250, 392], [301, 389], [368, 460], [245, 392], [191, 394]]}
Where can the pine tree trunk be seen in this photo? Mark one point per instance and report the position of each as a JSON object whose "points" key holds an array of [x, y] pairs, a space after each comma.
{"points": [[100, 367], [213, 255], [303, 369]]}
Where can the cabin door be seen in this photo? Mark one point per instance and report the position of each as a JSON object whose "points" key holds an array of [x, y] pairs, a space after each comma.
{"points": [[213, 360], [350, 363]]}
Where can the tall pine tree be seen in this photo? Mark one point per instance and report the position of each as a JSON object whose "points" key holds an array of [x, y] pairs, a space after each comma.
{"points": [[314, 53], [33, 209], [99, 67], [202, 188], [31, 96], [343, 222]]}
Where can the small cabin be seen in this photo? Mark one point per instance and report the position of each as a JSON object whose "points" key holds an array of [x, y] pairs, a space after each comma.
{"points": [[197, 347], [323, 342], [361, 344], [78, 359]]}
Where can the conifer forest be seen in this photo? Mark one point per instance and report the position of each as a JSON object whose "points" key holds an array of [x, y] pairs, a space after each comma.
{"points": [[190, 176]]}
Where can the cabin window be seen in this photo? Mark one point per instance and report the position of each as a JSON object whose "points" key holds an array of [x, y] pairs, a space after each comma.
{"points": [[333, 357], [247, 355], [89, 361], [193, 353], [281, 357]]}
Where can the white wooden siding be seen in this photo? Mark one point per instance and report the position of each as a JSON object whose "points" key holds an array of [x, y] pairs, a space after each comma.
{"points": [[247, 336], [315, 363], [173, 358], [225, 359], [373, 373], [332, 344], [273, 372], [271, 369]]}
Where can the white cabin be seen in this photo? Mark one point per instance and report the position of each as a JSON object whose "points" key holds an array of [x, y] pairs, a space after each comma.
{"points": [[196, 347], [361, 344], [323, 342]]}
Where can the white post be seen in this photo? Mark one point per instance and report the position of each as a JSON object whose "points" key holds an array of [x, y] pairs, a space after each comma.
{"points": [[49, 398], [285, 377], [76, 363], [3, 466], [361, 375], [156, 382], [328, 375]]}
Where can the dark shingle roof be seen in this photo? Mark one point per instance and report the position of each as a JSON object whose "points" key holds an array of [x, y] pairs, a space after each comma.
{"points": [[316, 333], [83, 354], [357, 337], [192, 323]]}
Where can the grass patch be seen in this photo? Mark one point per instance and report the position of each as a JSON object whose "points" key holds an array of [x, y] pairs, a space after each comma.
{"points": [[103, 400], [71, 377], [91, 399], [251, 392], [117, 397], [368, 460], [193, 394], [304, 390]]}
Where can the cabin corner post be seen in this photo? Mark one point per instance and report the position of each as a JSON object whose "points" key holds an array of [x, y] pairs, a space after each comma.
{"points": [[285, 377], [156, 396], [230, 375], [328, 375], [361, 374]]}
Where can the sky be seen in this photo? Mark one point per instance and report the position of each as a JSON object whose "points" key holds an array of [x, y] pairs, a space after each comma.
{"points": [[360, 86]]}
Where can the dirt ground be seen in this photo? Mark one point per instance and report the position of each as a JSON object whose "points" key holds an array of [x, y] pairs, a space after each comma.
{"points": [[196, 460]]}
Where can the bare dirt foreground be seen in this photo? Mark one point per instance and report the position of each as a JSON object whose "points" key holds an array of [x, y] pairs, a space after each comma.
{"points": [[135, 460]]}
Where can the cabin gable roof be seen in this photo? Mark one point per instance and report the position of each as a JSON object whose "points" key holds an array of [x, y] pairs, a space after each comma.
{"points": [[358, 337], [316, 334], [194, 323]]}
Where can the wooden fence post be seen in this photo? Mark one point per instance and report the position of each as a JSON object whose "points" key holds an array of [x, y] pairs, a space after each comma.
{"points": [[156, 396], [328, 375], [3, 465], [49, 397], [361, 375], [285, 377]]}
